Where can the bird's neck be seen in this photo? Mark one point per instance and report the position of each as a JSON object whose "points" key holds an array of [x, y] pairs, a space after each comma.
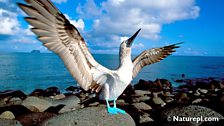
{"points": [[125, 68], [125, 61]]}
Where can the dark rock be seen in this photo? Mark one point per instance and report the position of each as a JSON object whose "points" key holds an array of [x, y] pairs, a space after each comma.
{"points": [[133, 112], [143, 85], [12, 93], [37, 92], [7, 122], [162, 85], [51, 91], [90, 116], [127, 94], [156, 86], [17, 110], [34, 119], [214, 85], [213, 123], [186, 88], [179, 81], [70, 102], [166, 84], [73, 89], [201, 84], [182, 98]]}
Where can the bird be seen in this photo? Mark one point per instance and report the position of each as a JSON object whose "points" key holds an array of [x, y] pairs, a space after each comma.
{"points": [[56, 33]]}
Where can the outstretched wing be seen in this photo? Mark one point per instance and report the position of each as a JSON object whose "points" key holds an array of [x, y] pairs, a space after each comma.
{"points": [[61, 37], [152, 56]]}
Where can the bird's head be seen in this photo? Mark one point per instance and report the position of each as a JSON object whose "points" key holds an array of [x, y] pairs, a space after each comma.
{"points": [[125, 47]]}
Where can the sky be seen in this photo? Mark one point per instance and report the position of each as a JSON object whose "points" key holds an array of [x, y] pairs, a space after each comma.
{"points": [[105, 23]]}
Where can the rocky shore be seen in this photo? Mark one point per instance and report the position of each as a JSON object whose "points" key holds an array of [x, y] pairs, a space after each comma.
{"points": [[146, 103]]}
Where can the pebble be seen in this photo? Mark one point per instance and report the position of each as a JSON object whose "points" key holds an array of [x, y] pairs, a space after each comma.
{"points": [[169, 99], [182, 96], [15, 101], [39, 103], [141, 99], [94, 104], [9, 122], [168, 94], [142, 106], [145, 118], [59, 96], [197, 101], [157, 100], [121, 102], [142, 93], [32, 108], [203, 91], [7, 115], [2, 103]]}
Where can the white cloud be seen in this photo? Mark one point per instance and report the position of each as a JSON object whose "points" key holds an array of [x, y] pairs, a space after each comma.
{"points": [[78, 24], [9, 23], [59, 1], [138, 46], [89, 10], [24, 39], [123, 38], [124, 17]]}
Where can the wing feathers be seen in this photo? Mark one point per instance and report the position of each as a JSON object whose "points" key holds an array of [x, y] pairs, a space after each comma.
{"points": [[34, 13], [37, 24], [151, 56], [61, 37], [38, 6]]}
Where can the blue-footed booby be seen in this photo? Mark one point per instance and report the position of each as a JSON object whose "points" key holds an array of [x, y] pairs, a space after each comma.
{"points": [[57, 34]]}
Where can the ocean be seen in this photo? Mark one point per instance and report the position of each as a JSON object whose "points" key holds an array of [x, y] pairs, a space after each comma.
{"points": [[29, 71]]}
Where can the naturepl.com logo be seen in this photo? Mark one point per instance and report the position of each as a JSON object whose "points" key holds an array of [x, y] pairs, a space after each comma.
{"points": [[192, 119]]}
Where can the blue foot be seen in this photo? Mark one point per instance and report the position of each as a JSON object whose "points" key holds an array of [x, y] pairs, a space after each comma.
{"points": [[112, 110], [120, 110]]}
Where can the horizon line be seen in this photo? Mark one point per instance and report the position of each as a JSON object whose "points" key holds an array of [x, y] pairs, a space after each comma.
{"points": [[2, 52]]}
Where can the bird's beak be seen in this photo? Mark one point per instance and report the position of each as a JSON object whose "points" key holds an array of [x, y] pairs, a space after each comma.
{"points": [[130, 40]]}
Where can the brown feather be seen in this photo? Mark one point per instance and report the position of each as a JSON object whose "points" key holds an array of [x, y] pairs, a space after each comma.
{"points": [[152, 56]]}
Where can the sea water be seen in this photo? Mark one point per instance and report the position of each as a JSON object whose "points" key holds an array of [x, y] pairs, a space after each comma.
{"points": [[29, 71]]}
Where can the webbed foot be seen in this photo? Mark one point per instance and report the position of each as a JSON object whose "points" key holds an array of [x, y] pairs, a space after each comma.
{"points": [[112, 110], [120, 111]]}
